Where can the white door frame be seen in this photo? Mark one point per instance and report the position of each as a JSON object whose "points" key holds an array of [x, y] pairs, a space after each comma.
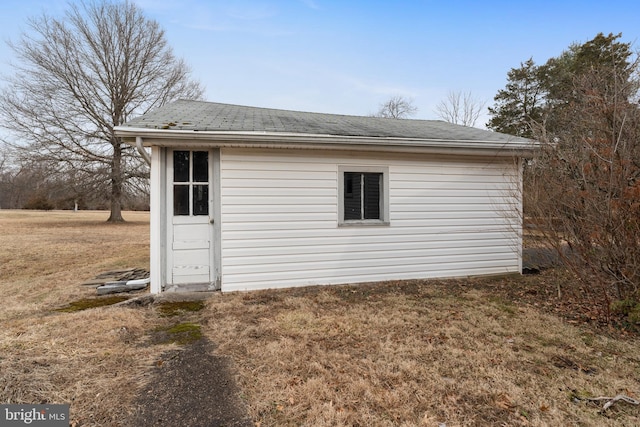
{"points": [[212, 221]]}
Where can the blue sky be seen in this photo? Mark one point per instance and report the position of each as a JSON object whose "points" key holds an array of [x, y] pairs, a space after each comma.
{"points": [[347, 57]]}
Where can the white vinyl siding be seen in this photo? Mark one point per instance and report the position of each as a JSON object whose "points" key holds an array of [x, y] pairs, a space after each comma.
{"points": [[447, 217]]}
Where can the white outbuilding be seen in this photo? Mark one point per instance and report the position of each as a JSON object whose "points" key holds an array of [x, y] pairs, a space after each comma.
{"points": [[246, 198]]}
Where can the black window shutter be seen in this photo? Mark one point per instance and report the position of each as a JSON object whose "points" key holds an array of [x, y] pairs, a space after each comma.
{"points": [[372, 195], [352, 196]]}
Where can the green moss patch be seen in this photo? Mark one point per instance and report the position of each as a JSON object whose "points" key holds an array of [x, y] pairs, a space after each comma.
{"points": [[87, 303], [176, 308], [181, 333]]}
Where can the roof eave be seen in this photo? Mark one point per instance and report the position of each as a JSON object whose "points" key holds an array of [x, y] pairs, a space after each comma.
{"points": [[168, 138]]}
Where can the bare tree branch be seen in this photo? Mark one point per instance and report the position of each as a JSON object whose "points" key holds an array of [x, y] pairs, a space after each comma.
{"points": [[80, 76], [397, 107], [460, 108], [583, 187]]}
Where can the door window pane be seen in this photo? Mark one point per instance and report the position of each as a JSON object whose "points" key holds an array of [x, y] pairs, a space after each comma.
{"points": [[200, 166], [180, 166], [201, 200], [191, 182], [181, 200]]}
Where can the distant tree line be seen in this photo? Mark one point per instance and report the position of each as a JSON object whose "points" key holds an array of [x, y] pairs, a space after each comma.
{"points": [[31, 184]]}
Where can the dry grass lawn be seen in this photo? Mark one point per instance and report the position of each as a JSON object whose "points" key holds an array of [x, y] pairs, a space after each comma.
{"points": [[391, 354], [94, 360], [418, 354]]}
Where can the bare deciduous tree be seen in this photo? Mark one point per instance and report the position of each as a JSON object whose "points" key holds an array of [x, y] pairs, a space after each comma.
{"points": [[397, 107], [583, 188], [460, 108], [80, 76]]}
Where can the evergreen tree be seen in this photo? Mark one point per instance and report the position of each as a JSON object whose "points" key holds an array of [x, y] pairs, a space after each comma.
{"points": [[520, 103], [544, 98], [601, 65]]}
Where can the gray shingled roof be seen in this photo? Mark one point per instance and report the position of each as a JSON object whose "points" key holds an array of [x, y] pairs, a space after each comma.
{"points": [[211, 116]]}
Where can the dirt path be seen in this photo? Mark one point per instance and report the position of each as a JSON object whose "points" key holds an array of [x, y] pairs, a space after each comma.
{"points": [[191, 388]]}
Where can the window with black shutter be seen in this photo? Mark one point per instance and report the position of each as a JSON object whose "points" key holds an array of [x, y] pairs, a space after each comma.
{"points": [[363, 197]]}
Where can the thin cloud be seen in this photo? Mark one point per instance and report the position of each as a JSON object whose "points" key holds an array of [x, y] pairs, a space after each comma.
{"points": [[239, 17], [311, 4]]}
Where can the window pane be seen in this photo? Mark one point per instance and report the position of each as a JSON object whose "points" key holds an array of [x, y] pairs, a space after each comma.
{"points": [[181, 200], [201, 200], [180, 166], [372, 183], [200, 166], [352, 198]]}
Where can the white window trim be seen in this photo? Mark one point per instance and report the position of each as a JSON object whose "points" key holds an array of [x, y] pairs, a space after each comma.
{"points": [[384, 197]]}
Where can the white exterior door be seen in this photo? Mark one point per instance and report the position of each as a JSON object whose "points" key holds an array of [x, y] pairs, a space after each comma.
{"points": [[190, 255]]}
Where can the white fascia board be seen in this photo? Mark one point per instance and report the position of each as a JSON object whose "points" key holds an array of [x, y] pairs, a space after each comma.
{"points": [[170, 138]]}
